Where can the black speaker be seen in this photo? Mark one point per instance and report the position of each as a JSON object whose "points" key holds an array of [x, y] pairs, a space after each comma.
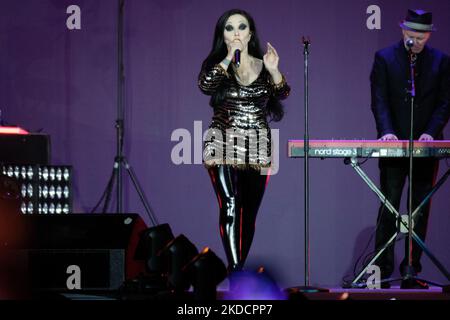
{"points": [[79, 251], [25, 148]]}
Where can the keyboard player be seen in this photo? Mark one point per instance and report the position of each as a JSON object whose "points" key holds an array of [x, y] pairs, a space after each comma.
{"points": [[391, 108]]}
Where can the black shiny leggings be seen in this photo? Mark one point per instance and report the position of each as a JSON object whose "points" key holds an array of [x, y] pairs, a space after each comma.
{"points": [[239, 193]]}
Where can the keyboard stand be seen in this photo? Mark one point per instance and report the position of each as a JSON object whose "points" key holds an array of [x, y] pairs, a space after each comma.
{"points": [[356, 283]]}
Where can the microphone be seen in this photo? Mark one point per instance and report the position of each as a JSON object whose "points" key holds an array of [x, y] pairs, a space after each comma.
{"points": [[409, 43], [237, 57]]}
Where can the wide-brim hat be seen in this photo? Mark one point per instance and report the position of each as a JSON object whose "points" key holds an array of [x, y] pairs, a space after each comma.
{"points": [[418, 21]]}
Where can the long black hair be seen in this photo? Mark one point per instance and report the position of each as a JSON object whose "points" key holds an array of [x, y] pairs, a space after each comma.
{"points": [[219, 51]]}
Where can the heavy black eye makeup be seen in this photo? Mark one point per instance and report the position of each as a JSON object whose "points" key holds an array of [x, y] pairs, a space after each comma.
{"points": [[241, 27]]}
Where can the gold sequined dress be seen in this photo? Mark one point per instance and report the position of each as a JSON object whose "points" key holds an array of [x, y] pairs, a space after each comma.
{"points": [[239, 134]]}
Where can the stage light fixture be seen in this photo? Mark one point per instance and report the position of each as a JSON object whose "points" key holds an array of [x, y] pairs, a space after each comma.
{"points": [[58, 192], [23, 207], [151, 241], [44, 173], [23, 172], [154, 280], [30, 173], [52, 174], [44, 189], [178, 253], [205, 271]]}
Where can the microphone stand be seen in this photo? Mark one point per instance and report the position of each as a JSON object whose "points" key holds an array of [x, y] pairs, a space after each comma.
{"points": [[412, 64], [306, 44], [410, 274], [306, 288]]}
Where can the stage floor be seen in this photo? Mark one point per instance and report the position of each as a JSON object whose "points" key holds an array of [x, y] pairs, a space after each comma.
{"points": [[394, 293]]}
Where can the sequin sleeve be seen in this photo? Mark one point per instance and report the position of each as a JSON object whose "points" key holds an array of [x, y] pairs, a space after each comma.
{"points": [[281, 90], [210, 80]]}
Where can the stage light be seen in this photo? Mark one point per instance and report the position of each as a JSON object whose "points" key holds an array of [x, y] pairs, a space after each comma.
{"points": [[9, 171], [23, 207], [151, 241], [66, 192], [43, 189], [205, 271], [30, 208], [52, 174], [66, 209], [23, 173], [58, 192], [30, 190], [59, 174], [51, 192], [30, 173], [44, 174], [66, 174], [23, 190], [178, 253], [154, 280]]}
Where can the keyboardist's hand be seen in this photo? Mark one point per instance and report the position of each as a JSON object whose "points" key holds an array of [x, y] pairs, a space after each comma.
{"points": [[389, 137], [426, 137]]}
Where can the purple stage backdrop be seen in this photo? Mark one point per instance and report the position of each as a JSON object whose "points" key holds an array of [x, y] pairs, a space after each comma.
{"points": [[58, 74]]}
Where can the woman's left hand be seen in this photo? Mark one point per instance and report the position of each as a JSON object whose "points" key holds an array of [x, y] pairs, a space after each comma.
{"points": [[271, 59]]}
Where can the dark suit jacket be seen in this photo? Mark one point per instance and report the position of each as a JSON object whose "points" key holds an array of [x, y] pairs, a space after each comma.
{"points": [[391, 102]]}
